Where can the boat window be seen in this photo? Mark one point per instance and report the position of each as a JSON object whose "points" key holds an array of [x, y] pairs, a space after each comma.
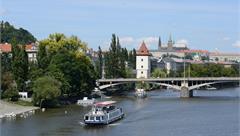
{"points": [[91, 118], [98, 118], [86, 117]]}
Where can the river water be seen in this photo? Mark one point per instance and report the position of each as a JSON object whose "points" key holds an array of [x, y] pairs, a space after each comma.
{"points": [[162, 113]]}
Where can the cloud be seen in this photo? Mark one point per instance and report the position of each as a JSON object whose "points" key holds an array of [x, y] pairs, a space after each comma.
{"points": [[148, 40], [181, 43], [126, 40], [237, 44], [135, 42], [226, 38]]}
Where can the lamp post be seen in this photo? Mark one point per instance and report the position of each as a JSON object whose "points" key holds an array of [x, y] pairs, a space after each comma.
{"points": [[239, 72], [0, 74], [184, 74]]}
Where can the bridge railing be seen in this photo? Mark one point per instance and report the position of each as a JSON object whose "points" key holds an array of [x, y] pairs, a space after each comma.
{"points": [[171, 79]]}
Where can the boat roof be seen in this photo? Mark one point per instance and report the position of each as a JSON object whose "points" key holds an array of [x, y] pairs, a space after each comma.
{"points": [[105, 103]]}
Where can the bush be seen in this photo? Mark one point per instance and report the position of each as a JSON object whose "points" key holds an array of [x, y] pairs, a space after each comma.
{"points": [[46, 90], [11, 93]]}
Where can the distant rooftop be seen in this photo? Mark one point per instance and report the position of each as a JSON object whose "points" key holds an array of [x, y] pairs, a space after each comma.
{"points": [[7, 47], [143, 50]]}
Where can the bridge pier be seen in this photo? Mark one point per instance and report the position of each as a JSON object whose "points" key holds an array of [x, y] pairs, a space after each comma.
{"points": [[185, 92]]}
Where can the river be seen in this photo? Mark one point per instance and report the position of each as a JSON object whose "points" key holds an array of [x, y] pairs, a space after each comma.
{"points": [[162, 113]]}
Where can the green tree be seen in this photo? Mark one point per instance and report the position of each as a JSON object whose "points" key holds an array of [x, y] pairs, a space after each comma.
{"points": [[46, 89], [67, 62], [157, 73], [6, 62], [78, 72], [11, 93], [58, 41], [20, 66], [42, 57], [56, 73], [115, 59], [99, 63]]}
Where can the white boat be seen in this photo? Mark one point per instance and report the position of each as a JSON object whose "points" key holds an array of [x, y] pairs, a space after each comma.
{"points": [[208, 87], [140, 93], [10, 115], [103, 113], [86, 102]]}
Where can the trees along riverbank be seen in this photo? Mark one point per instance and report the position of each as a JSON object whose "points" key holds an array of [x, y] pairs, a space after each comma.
{"points": [[62, 71], [63, 59], [117, 62]]}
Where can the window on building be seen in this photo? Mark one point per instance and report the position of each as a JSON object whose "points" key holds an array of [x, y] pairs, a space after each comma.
{"points": [[141, 59], [141, 72], [142, 66]]}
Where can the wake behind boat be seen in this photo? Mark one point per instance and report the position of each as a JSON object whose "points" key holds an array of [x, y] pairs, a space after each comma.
{"points": [[103, 113]]}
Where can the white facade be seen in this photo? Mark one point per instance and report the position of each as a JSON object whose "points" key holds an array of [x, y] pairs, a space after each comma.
{"points": [[143, 66], [224, 57]]}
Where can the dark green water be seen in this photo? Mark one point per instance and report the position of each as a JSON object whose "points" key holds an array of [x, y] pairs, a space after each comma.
{"points": [[162, 113]]}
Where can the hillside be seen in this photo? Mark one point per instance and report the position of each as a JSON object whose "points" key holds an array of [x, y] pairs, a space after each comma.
{"points": [[9, 33]]}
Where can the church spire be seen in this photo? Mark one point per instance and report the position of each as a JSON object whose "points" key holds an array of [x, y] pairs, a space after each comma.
{"points": [[159, 43], [170, 42]]}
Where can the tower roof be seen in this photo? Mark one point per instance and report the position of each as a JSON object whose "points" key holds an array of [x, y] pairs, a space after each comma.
{"points": [[143, 50]]}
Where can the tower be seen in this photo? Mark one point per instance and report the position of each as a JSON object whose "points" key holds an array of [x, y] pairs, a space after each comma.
{"points": [[143, 62], [159, 43], [170, 42]]}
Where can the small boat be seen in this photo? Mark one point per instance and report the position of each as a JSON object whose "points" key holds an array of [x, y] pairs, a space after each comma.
{"points": [[10, 115], [140, 93], [103, 113], [210, 87], [86, 102]]}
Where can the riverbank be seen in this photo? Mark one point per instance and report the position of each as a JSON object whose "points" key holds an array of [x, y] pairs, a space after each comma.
{"points": [[9, 108]]}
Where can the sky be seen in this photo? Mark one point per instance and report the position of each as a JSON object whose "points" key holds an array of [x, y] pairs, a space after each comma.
{"points": [[203, 24]]}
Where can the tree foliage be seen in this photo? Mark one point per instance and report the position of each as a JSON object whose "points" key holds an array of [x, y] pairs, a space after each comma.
{"points": [[99, 63], [157, 73], [212, 70], [20, 66], [46, 88], [64, 59], [115, 60]]}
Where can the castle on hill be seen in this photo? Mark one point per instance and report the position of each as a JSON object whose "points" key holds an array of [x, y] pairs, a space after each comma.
{"points": [[170, 48]]}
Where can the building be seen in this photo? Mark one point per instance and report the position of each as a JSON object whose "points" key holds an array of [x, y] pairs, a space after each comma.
{"points": [[224, 57], [168, 49], [31, 50], [143, 66], [196, 55]]}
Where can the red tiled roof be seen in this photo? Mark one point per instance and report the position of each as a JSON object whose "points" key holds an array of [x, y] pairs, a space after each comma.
{"points": [[193, 51], [5, 47], [143, 50], [28, 47]]}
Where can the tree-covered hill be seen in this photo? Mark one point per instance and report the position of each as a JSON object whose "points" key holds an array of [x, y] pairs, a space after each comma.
{"points": [[10, 33]]}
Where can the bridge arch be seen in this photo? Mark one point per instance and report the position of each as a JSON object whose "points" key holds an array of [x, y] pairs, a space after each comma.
{"points": [[205, 84], [110, 85], [167, 85], [162, 84]]}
